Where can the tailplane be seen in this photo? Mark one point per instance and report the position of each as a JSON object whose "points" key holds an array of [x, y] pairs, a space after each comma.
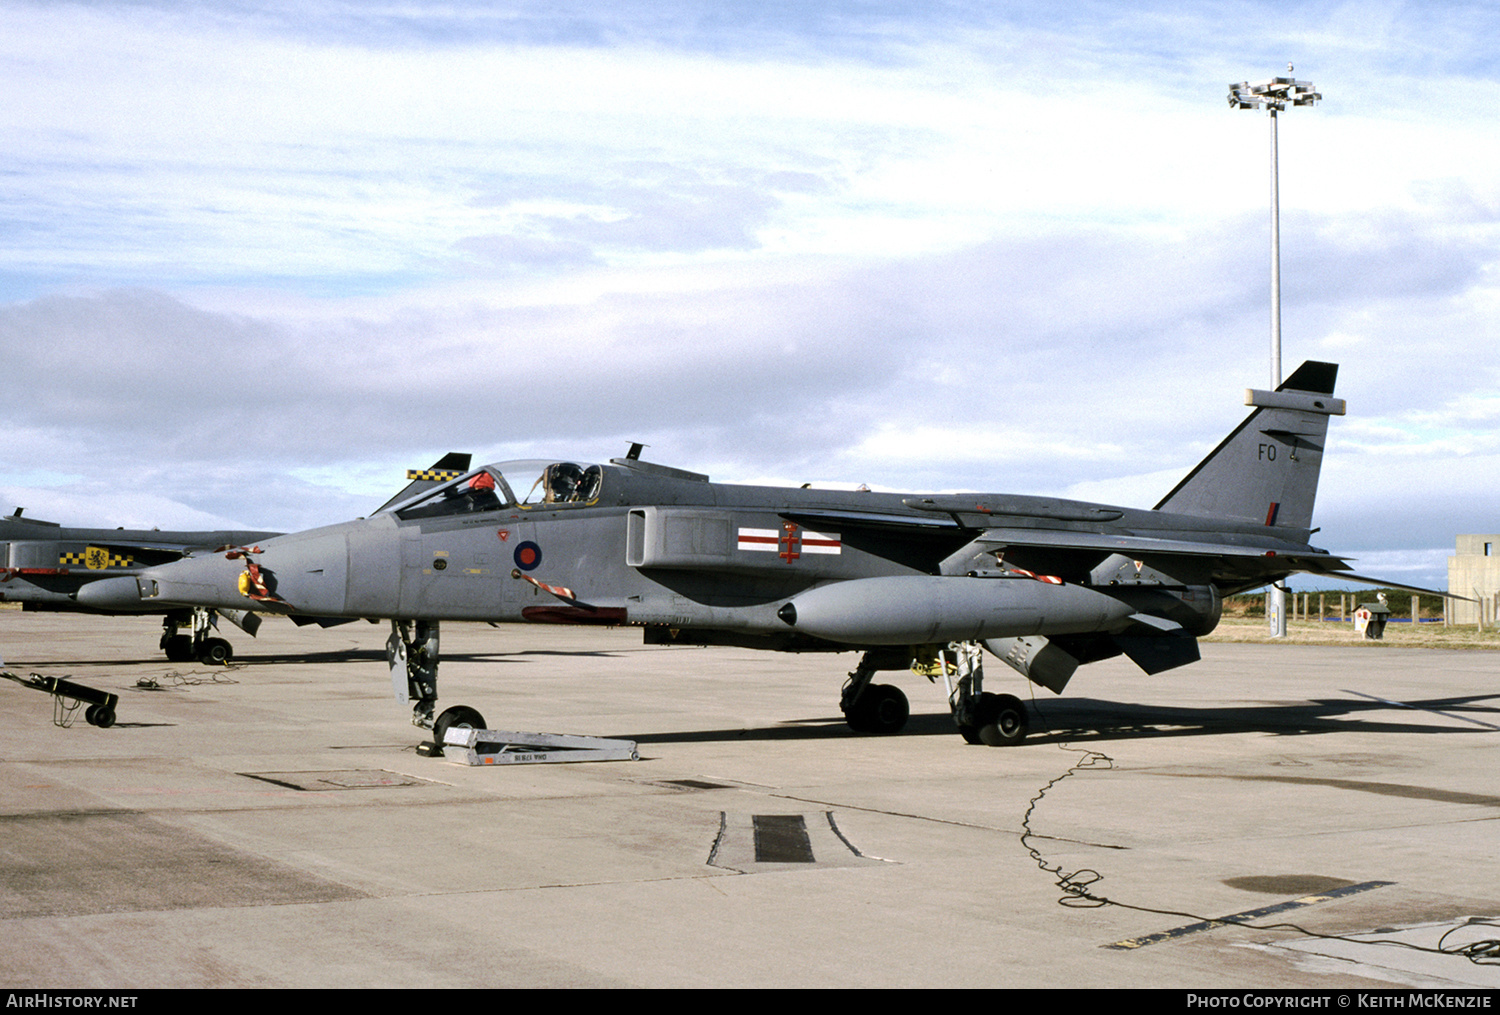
{"points": [[1266, 470], [450, 466]]}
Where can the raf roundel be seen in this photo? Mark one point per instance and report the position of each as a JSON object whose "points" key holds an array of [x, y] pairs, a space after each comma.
{"points": [[528, 555]]}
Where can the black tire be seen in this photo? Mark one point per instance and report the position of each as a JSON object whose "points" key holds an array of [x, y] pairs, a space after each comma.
{"points": [[179, 648], [983, 713], [104, 716], [459, 716], [881, 710], [216, 652], [1008, 721], [890, 710]]}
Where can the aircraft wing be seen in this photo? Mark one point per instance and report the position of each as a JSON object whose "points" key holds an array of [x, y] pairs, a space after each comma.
{"points": [[1228, 565], [1386, 583], [921, 543]]}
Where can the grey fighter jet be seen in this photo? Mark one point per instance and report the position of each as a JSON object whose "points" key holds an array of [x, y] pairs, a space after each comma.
{"points": [[1044, 584], [44, 566]]}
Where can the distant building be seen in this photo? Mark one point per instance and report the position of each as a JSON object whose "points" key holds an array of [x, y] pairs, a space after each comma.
{"points": [[1474, 571]]}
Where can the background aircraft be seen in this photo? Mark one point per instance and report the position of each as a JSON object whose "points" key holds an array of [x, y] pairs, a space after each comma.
{"points": [[43, 565], [1045, 584]]}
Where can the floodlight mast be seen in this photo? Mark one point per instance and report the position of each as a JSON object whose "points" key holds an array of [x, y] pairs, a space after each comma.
{"points": [[1275, 95]]}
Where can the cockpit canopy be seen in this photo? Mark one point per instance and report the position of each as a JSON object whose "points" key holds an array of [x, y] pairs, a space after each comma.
{"points": [[493, 488], [565, 483]]}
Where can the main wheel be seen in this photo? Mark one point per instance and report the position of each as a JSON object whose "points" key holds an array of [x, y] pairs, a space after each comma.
{"points": [[882, 709], [983, 713], [1006, 720], [458, 717], [216, 651], [179, 648]]}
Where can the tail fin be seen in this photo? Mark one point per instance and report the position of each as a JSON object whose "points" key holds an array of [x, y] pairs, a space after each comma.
{"points": [[450, 466], [1266, 470]]}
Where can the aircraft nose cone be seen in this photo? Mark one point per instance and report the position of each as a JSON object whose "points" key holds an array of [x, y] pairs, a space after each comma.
{"points": [[119, 593], [209, 580]]}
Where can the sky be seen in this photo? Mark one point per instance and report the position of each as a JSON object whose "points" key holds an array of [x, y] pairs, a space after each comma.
{"points": [[259, 258]]}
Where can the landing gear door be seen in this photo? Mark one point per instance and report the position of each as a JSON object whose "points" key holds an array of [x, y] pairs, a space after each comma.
{"points": [[412, 583]]}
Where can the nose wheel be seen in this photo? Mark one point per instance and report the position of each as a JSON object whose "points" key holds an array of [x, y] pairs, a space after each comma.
{"points": [[458, 717]]}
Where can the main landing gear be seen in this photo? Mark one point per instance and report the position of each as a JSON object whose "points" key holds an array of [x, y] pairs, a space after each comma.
{"points": [[198, 644], [998, 720], [412, 652], [875, 708]]}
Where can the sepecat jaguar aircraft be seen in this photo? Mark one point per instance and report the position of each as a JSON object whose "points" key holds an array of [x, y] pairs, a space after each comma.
{"points": [[1046, 585]]}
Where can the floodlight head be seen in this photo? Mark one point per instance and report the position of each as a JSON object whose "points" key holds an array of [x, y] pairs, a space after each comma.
{"points": [[1275, 94]]}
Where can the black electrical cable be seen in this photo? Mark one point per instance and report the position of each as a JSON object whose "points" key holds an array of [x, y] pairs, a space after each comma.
{"points": [[1078, 893]]}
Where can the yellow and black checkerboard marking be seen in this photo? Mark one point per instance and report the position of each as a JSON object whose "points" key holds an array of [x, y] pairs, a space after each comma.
{"points": [[95, 558], [433, 475]]}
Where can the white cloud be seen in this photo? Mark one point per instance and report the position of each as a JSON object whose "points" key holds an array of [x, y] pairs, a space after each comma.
{"points": [[84, 505], [257, 258]]}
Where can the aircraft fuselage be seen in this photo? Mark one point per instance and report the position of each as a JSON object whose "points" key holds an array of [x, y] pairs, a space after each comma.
{"points": [[664, 549]]}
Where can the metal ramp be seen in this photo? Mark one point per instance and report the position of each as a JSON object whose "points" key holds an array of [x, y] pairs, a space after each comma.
{"points": [[515, 747]]}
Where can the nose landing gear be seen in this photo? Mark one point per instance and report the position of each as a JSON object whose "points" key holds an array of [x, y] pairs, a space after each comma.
{"points": [[412, 651]]}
